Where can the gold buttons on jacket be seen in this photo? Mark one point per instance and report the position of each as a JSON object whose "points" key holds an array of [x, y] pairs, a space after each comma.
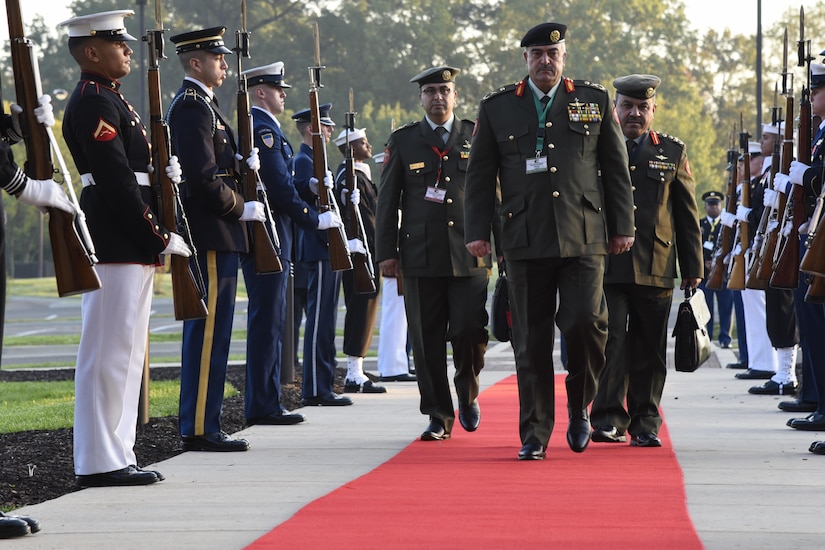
{"points": [[632, 168], [551, 146], [553, 169], [510, 215], [511, 137], [447, 179], [556, 193], [450, 223], [449, 201]]}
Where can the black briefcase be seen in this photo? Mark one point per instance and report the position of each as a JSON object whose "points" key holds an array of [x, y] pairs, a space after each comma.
{"points": [[500, 321], [692, 346]]}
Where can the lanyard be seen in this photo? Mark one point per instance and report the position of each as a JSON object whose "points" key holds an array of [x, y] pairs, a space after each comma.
{"points": [[542, 111], [441, 154]]}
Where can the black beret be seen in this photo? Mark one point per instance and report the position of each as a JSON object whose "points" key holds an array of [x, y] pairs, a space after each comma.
{"points": [[435, 75], [206, 40], [638, 86], [545, 34]]}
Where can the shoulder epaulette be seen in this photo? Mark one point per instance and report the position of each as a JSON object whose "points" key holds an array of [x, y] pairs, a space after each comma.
{"points": [[503, 89], [674, 139], [590, 84], [407, 125], [191, 94]]}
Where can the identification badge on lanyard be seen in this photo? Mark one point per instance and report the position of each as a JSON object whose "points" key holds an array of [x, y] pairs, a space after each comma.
{"points": [[536, 165], [435, 194]]}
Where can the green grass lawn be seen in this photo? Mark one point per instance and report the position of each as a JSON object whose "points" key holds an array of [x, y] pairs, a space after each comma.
{"points": [[50, 405]]}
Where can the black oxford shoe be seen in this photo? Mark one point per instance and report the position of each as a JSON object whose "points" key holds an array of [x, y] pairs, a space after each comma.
{"points": [[608, 434], [13, 527], [817, 448], [435, 432], [814, 422], [284, 418], [648, 439], [578, 431], [797, 406], [34, 525], [159, 475], [774, 388], [399, 378], [532, 451], [331, 400], [469, 416], [215, 442], [739, 366], [754, 374], [351, 386], [127, 476]]}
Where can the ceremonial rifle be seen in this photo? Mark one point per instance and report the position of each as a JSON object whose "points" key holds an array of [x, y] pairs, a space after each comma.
{"points": [[264, 243], [736, 275], [724, 240], [188, 288], [339, 254], [73, 251], [361, 263]]}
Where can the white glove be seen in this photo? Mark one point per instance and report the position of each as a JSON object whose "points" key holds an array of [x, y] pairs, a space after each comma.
{"points": [[356, 196], [16, 131], [797, 172], [772, 226], [173, 170], [356, 246], [45, 193], [787, 229], [253, 211], [770, 199], [742, 213], [177, 246], [737, 250], [328, 183], [803, 229], [780, 182], [727, 219], [44, 112], [253, 162], [328, 220]]}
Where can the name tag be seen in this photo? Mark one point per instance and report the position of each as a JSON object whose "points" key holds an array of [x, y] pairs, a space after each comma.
{"points": [[536, 165], [434, 194], [416, 166]]}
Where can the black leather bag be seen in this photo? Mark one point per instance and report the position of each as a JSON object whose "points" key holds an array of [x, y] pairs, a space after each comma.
{"points": [[500, 322], [692, 341]]}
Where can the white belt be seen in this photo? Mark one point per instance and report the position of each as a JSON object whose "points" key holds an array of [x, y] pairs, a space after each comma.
{"points": [[141, 177]]}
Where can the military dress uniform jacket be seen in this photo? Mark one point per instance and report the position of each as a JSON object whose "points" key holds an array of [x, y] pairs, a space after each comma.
{"points": [[205, 145], [567, 210], [367, 206], [812, 180], [430, 242], [667, 225], [313, 244], [276, 153], [108, 143]]}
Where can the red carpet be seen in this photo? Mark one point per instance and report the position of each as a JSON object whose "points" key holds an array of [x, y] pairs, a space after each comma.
{"points": [[471, 492]]}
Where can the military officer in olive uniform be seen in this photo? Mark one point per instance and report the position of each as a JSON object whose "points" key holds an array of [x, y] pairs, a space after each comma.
{"points": [[566, 201], [638, 285], [445, 288], [205, 143], [108, 143]]}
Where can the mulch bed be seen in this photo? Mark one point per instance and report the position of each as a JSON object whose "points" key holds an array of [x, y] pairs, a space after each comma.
{"points": [[36, 466]]}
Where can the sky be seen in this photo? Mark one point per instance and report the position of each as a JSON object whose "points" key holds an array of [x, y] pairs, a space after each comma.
{"points": [[737, 15]]}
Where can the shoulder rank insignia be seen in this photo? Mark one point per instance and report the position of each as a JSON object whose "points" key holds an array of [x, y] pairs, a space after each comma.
{"points": [[654, 138], [268, 138], [407, 125], [590, 84], [104, 131], [518, 87], [569, 85]]}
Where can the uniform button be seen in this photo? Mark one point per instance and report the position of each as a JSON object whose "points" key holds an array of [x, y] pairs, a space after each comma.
{"points": [[553, 169], [149, 216], [450, 223], [556, 193], [635, 207], [447, 179], [632, 168], [586, 132], [511, 137], [306, 210], [662, 180], [157, 228], [132, 122], [551, 146], [586, 126], [449, 201], [509, 215], [166, 236], [632, 187], [445, 157], [549, 124]]}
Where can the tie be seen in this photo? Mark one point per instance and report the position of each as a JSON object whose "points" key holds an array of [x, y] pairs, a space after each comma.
{"points": [[215, 101], [545, 100], [442, 133], [631, 145]]}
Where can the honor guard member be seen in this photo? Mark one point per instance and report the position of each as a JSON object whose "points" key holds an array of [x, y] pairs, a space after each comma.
{"points": [[566, 201], [108, 143], [362, 307], [638, 284], [322, 282], [811, 315], [267, 293], [710, 226], [445, 287], [205, 144]]}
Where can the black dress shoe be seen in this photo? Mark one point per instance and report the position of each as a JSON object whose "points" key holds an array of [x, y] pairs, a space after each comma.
{"points": [[469, 416], [283, 418], [608, 434], [740, 365], [331, 400], [216, 442], [578, 431], [127, 476], [366, 387], [435, 432], [159, 475], [753, 374], [34, 525], [13, 527], [814, 422], [399, 378], [532, 451], [648, 439], [817, 448], [774, 388], [797, 406]]}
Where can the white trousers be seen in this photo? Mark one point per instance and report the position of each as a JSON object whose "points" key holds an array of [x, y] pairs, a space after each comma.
{"points": [[115, 325], [761, 354], [392, 332]]}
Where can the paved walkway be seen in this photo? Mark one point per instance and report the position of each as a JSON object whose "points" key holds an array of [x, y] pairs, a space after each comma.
{"points": [[751, 483]]}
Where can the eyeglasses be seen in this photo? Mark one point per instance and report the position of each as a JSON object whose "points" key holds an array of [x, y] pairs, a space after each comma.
{"points": [[441, 90]]}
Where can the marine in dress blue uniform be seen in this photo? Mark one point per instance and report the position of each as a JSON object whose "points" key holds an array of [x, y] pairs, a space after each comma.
{"points": [[267, 293], [108, 143], [203, 140]]}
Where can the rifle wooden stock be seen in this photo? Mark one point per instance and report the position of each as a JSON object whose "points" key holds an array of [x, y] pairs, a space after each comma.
{"points": [[361, 263], [816, 291], [187, 296], [724, 241], [736, 277], [813, 261], [73, 265]]}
